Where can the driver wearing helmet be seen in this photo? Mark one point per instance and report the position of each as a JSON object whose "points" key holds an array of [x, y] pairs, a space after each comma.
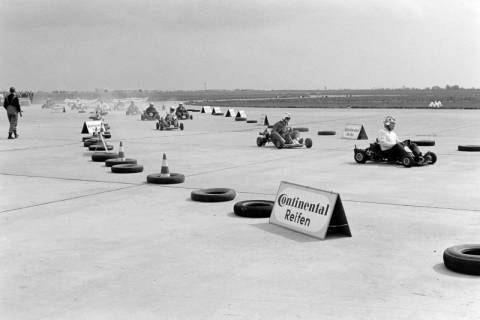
{"points": [[171, 117], [151, 111], [282, 129], [393, 148]]}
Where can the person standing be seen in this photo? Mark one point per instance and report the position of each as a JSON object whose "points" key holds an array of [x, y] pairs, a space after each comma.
{"points": [[12, 105]]}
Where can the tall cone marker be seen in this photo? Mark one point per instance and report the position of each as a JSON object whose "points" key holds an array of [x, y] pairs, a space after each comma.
{"points": [[121, 153], [164, 172]]}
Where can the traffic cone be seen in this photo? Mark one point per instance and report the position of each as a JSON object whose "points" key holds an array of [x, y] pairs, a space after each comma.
{"points": [[164, 172], [121, 153]]}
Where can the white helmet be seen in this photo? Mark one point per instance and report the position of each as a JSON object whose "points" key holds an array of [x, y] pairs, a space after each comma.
{"points": [[389, 120], [286, 116]]}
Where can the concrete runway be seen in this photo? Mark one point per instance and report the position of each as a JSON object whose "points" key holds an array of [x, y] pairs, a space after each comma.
{"points": [[79, 242]]}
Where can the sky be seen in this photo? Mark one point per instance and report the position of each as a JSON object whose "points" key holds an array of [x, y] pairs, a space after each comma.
{"points": [[243, 44]]}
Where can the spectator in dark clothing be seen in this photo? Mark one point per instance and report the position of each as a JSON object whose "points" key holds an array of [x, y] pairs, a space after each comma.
{"points": [[12, 105]]}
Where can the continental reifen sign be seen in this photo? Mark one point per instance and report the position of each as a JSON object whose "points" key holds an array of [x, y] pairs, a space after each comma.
{"points": [[309, 210]]}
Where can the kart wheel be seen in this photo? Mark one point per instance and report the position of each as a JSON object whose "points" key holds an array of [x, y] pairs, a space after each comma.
{"points": [[253, 208], [308, 143], [360, 156], [161, 127], [213, 195], [158, 125], [191, 117], [261, 141], [181, 126], [463, 258], [407, 161], [431, 156], [142, 117]]}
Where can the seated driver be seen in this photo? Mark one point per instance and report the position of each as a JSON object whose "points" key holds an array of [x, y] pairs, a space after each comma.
{"points": [[171, 117], [285, 131], [393, 148], [181, 110], [132, 107], [151, 111]]}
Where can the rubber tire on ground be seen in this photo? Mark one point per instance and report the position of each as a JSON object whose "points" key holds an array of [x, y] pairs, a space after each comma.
{"points": [[193, 110], [213, 195], [432, 156], [103, 156], [406, 161], [88, 138], [115, 161], [253, 208], [99, 147], [240, 119], [469, 147], [458, 259], [157, 125], [261, 141], [252, 121], [360, 156], [127, 168], [326, 133], [301, 129], [88, 143], [181, 126], [107, 135], [218, 114], [424, 143], [157, 179]]}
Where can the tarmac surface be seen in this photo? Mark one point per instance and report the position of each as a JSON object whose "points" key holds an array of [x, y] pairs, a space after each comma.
{"points": [[80, 242]]}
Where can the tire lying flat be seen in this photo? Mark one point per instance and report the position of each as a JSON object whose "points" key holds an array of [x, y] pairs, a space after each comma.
{"points": [[103, 156], [99, 147], [174, 178], [240, 119], [127, 168], [469, 147], [253, 208], [213, 195], [252, 121], [327, 133], [115, 161], [463, 258], [424, 143]]}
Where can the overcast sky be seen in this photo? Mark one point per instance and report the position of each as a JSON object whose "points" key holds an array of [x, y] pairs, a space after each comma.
{"points": [[274, 44]]}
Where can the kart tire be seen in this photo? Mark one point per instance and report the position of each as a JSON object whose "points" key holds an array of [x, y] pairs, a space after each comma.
{"points": [[127, 168], [326, 133], [103, 156], [181, 126], [468, 148], [308, 143], [156, 178], [142, 117], [253, 208], [463, 258], [213, 195], [424, 143], [432, 156], [261, 141], [240, 119], [157, 125], [107, 135], [301, 129], [252, 121], [191, 117], [360, 156], [407, 161], [99, 147], [115, 161]]}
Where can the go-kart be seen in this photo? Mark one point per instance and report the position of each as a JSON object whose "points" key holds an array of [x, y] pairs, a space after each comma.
{"points": [[279, 142], [131, 111], [163, 124], [182, 114], [149, 116], [374, 153]]}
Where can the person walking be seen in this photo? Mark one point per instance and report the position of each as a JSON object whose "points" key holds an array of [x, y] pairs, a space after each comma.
{"points": [[12, 105]]}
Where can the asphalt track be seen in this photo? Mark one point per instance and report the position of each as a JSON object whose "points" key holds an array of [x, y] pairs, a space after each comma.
{"points": [[79, 242]]}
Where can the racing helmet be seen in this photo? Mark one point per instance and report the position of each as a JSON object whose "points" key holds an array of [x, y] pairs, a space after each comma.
{"points": [[172, 108], [389, 120], [286, 116]]}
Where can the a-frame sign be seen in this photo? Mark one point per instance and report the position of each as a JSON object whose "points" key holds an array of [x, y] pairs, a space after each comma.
{"points": [[355, 132]]}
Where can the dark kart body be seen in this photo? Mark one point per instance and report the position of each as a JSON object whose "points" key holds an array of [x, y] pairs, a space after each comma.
{"points": [[150, 116], [267, 136], [162, 124], [183, 114], [375, 154]]}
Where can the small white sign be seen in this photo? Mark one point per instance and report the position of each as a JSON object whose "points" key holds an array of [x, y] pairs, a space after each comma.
{"points": [[241, 114], [354, 132], [92, 126], [230, 113], [308, 210], [206, 109], [263, 121], [217, 110]]}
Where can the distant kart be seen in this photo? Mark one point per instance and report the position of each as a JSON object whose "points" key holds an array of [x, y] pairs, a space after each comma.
{"points": [[164, 125], [149, 116], [133, 112], [374, 153], [277, 140], [183, 114]]}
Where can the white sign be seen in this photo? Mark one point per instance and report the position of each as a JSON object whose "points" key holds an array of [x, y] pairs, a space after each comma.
{"points": [[241, 114], [206, 109], [263, 121], [308, 210], [92, 126], [217, 110], [230, 113], [354, 132]]}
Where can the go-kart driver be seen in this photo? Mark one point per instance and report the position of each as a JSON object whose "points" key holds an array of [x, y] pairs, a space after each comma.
{"points": [[285, 131], [151, 111], [171, 118], [393, 148]]}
